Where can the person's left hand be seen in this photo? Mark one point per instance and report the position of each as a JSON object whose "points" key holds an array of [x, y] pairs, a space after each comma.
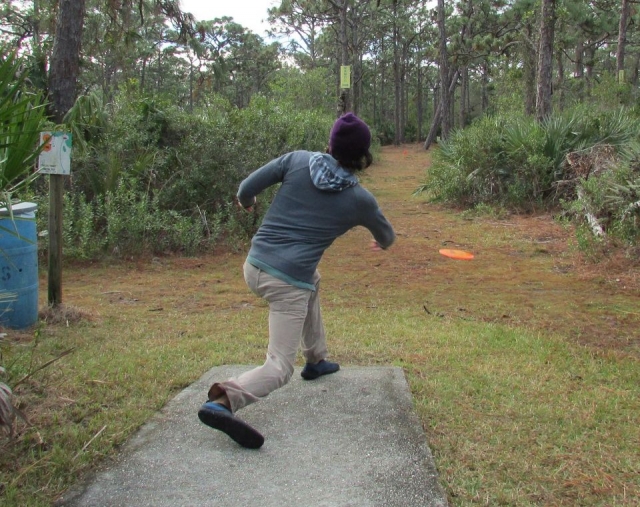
{"points": [[375, 246]]}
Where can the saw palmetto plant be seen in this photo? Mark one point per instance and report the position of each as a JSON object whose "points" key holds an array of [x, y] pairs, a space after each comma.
{"points": [[7, 414], [21, 118]]}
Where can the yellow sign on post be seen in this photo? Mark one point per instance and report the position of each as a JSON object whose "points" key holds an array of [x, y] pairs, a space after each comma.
{"points": [[345, 76], [55, 157]]}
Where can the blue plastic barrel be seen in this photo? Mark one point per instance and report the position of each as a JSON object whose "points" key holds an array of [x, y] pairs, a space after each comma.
{"points": [[18, 266]]}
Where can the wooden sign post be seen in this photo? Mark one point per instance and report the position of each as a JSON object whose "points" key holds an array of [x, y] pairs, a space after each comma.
{"points": [[55, 160]]}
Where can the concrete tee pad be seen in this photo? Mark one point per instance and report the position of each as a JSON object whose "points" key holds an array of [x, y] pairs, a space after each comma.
{"points": [[350, 439]]}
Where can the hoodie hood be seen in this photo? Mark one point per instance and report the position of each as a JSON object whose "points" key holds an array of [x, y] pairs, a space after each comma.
{"points": [[327, 175]]}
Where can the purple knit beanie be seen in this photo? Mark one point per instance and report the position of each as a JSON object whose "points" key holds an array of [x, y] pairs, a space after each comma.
{"points": [[350, 138]]}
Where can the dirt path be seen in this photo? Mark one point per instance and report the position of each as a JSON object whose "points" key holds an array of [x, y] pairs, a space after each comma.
{"points": [[525, 272]]}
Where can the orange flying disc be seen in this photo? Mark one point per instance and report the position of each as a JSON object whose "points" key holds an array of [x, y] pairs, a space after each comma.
{"points": [[457, 254]]}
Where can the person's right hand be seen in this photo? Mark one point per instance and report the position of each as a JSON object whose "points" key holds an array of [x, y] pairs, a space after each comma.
{"points": [[375, 246], [248, 208]]}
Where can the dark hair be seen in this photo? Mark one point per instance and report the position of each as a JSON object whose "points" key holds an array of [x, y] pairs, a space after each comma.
{"points": [[352, 165]]}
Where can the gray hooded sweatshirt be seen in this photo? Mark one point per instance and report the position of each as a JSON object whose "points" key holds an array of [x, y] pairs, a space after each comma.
{"points": [[317, 202]]}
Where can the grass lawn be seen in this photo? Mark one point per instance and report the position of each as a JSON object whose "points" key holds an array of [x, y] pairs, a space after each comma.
{"points": [[523, 362]]}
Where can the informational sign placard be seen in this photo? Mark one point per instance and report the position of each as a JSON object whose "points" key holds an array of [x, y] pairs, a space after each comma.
{"points": [[345, 76], [55, 157]]}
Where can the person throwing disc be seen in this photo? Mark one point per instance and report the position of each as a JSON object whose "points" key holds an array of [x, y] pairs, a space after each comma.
{"points": [[319, 199]]}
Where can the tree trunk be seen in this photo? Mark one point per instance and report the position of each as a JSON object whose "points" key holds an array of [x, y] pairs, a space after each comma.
{"points": [[545, 60], [344, 99], [578, 71], [360, 80], [468, 107], [404, 92], [435, 125], [63, 76], [374, 99], [437, 111], [634, 72], [485, 84], [529, 71], [39, 53], [191, 86], [579, 60], [65, 58], [590, 53], [143, 74], [445, 102], [622, 38], [464, 93], [355, 72], [468, 11], [396, 78], [559, 86], [419, 108], [383, 81]]}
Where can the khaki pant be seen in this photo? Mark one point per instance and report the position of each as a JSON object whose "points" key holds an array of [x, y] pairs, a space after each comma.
{"points": [[294, 318]]}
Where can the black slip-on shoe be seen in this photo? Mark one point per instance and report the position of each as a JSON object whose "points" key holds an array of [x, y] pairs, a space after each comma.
{"points": [[219, 417], [313, 371]]}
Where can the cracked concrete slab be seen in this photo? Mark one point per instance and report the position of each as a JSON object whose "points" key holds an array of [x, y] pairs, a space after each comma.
{"points": [[350, 439]]}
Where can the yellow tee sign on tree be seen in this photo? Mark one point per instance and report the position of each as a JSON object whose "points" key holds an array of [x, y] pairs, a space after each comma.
{"points": [[345, 76], [55, 157]]}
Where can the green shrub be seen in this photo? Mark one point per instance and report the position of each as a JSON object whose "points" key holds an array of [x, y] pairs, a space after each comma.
{"points": [[529, 164], [135, 224], [268, 129], [613, 197], [608, 93], [309, 90], [155, 178], [21, 119], [127, 222], [517, 162], [467, 157], [81, 240]]}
